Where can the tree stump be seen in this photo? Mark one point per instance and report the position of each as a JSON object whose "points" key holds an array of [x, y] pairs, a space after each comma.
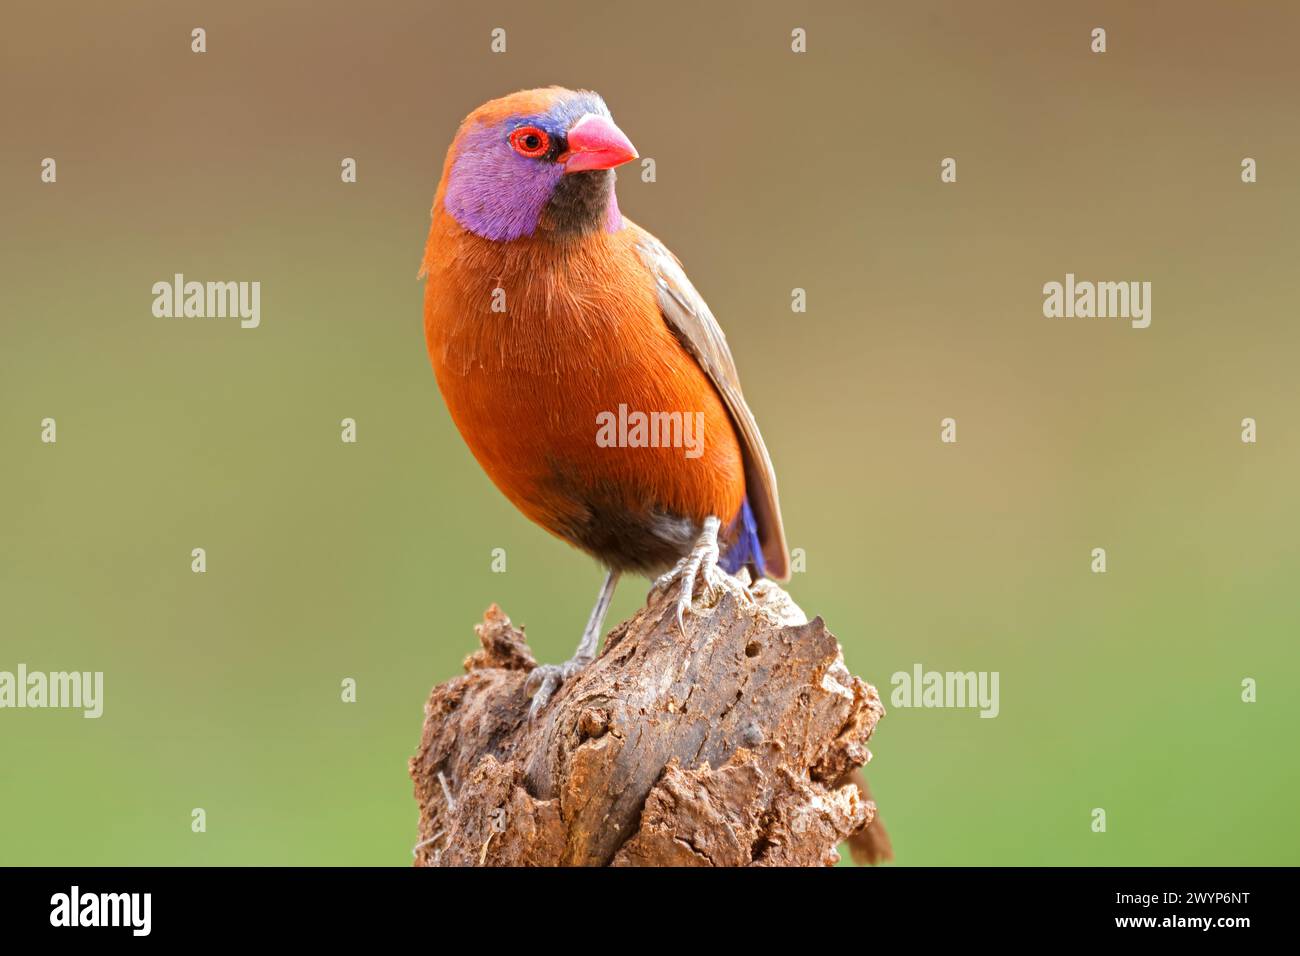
{"points": [[735, 744]]}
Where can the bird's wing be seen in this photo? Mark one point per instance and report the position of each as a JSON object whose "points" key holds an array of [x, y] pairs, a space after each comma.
{"points": [[689, 317]]}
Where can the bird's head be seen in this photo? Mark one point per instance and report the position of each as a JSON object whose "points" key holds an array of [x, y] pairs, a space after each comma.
{"points": [[537, 162]]}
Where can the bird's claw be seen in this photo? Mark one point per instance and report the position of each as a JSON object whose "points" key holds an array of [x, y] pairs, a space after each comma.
{"points": [[545, 679], [700, 565]]}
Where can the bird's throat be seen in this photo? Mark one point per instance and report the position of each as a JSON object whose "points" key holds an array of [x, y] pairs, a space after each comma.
{"points": [[582, 203]]}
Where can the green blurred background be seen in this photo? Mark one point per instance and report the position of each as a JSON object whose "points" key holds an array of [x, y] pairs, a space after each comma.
{"points": [[775, 170]]}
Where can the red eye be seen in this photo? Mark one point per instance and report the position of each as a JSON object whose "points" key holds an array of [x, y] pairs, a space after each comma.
{"points": [[530, 141]]}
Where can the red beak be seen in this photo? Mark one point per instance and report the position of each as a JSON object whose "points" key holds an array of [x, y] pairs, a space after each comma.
{"points": [[596, 143]]}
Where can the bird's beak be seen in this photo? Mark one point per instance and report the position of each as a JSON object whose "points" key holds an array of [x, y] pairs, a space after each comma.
{"points": [[596, 143]]}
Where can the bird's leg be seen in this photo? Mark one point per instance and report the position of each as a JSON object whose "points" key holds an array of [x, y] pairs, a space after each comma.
{"points": [[701, 562], [545, 678]]}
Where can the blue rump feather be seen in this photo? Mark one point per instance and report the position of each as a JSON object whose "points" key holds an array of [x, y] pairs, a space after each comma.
{"points": [[746, 549]]}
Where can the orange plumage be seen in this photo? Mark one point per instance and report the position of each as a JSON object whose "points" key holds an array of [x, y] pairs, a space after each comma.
{"points": [[525, 387]]}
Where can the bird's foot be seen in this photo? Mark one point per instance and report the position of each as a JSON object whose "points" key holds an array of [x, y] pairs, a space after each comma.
{"points": [[545, 679], [701, 565]]}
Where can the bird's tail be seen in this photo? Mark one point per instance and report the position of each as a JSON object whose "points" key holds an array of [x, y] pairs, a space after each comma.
{"points": [[745, 550], [870, 845]]}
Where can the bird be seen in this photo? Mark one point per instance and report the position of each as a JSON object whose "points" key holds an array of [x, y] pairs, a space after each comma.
{"points": [[583, 369]]}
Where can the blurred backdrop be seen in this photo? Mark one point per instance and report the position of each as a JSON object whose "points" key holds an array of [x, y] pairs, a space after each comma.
{"points": [[775, 170]]}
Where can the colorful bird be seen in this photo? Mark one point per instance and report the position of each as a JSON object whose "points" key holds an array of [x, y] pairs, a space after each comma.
{"points": [[582, 368]]}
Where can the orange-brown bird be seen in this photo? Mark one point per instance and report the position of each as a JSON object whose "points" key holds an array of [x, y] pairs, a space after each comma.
{"points": [[582, 368]]}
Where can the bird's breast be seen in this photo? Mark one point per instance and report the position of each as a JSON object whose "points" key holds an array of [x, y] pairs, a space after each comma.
{"points": [[570, 389]]}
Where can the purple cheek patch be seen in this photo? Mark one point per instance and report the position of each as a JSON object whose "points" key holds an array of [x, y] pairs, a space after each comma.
{"points": [[496, 193]]}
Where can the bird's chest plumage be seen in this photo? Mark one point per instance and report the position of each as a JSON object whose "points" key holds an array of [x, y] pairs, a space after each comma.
{"points": [[574, 395]]}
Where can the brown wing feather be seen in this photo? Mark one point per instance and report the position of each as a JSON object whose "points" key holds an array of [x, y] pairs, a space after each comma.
{"points": [[685, 310]]}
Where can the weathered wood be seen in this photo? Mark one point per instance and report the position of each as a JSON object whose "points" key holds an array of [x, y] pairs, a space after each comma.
{"points": [[733, 745]]}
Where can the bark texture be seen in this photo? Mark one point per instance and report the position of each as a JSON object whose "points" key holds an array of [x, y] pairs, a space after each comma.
{"points": [[734, 745]]}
